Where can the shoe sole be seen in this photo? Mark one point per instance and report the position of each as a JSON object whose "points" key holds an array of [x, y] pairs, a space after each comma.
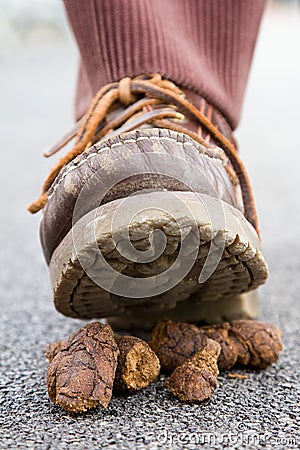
{"points": [[193, 232]]}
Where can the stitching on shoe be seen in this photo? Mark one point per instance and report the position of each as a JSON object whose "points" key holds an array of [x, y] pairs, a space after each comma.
{"points": [[119, 144]]}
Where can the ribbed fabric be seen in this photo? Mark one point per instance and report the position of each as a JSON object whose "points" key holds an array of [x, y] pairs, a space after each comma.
{"points": [[203, 45]]}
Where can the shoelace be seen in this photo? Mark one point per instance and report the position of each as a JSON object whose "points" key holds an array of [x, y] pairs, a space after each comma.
{"points": [[95, 125]]}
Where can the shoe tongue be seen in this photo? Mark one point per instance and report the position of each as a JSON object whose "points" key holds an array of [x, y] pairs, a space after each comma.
{"points": [[212, 113]]}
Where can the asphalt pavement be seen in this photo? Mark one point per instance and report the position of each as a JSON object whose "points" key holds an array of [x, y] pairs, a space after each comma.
{"points": [[36, 84]]}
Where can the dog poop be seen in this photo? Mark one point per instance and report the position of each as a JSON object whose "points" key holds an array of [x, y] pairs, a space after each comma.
{"points": [[92, 362], [137, 367], [53, 348], [175, 342], [82, 368], [196, 379], [246, 343]]}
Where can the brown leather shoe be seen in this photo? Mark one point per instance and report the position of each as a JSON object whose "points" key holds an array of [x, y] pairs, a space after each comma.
{"points": [[151, 215]]}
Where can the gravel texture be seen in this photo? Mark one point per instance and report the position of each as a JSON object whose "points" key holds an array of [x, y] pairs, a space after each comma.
{"points": [[261, 411]]}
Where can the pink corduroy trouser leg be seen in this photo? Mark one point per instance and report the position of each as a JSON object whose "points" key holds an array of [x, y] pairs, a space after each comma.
{"points": [[205, 46]]}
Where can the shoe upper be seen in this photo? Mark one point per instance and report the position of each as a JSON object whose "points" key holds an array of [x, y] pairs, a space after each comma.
{"points": [[112, 155]]}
